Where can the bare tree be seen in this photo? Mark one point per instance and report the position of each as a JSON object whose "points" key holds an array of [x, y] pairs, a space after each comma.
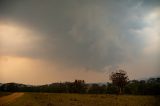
{"points": [[119, 79]]}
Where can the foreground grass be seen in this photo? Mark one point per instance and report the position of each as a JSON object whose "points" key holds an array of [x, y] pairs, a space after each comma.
{"points": [[4, 93], [55, 99]]}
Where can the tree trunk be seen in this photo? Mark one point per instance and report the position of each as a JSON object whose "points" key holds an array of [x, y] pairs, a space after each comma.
{"points": [[120, 90]]}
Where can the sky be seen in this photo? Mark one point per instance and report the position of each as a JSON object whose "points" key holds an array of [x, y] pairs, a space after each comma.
{"points": [[45, 41]]}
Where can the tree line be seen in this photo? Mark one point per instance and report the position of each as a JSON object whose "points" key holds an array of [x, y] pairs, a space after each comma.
{"points": [[134, 87]]}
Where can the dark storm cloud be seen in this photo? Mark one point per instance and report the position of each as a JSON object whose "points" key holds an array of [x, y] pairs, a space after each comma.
{"points": [[151, 3], [91, 34]]}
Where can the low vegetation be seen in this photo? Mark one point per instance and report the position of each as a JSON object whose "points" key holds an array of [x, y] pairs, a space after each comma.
{"points": [[56, 99], [132, 87]]}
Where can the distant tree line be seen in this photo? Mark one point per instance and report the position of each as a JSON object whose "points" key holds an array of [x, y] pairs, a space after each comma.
{"points": [[78, 86], [134, 87]]}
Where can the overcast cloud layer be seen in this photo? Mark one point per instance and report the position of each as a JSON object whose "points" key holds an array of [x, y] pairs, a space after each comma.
{"points": [[84, 34]]}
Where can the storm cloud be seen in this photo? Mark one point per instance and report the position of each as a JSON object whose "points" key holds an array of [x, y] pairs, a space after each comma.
{"points": [[88, 34]]}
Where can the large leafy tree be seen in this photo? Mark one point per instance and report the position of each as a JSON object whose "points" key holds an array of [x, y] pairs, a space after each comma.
{"points": [[119, 79]]}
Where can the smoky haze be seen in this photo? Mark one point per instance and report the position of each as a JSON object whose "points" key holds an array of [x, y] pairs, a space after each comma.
{"points": [[72, 39]]}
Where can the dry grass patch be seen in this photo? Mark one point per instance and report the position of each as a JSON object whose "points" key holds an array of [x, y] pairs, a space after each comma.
{"points": [[56, 99]]}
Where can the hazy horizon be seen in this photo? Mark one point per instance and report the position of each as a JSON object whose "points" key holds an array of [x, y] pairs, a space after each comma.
{"points": [[45, 41]]}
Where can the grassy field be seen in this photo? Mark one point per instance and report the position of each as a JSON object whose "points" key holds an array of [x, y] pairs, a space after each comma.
{"points": [[4, 93], [53, 99]]}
